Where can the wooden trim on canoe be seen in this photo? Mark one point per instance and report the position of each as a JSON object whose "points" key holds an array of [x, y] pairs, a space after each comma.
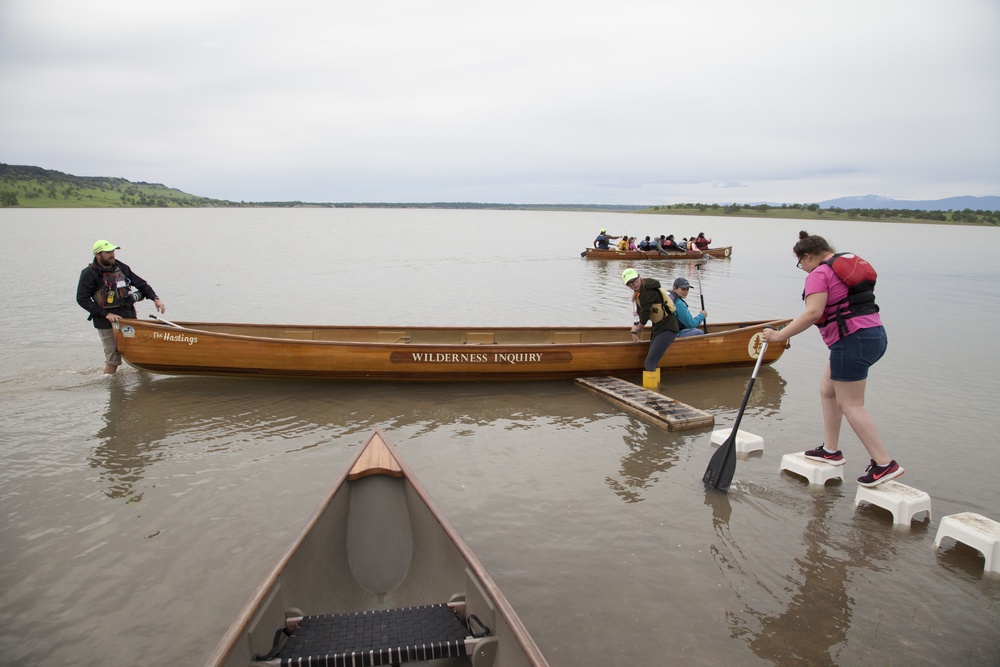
{"points": [[376, 459]]}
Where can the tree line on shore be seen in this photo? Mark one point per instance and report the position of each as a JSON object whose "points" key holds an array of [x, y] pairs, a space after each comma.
{"points": [[966, 216]]}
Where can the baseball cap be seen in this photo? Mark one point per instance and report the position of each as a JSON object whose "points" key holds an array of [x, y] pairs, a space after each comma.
{"points": [[682, 283], [105, 246], [629, 275]]}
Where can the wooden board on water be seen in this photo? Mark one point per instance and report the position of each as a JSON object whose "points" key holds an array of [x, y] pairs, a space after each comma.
{"points": [[651, 405]]}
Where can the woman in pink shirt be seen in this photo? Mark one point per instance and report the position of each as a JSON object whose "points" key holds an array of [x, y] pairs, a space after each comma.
{"points": [[856, 340]]}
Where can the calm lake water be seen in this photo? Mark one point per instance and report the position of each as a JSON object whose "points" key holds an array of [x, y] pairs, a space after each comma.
{"points": [[138, 513]]}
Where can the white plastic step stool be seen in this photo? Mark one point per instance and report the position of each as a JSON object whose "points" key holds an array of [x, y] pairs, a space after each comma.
{"points": [[903, 501], [745, 442], [976, 530], [817, 472]]}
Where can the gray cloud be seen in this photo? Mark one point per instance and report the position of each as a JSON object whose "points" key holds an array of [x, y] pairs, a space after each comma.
{"points": [[533, 102]]}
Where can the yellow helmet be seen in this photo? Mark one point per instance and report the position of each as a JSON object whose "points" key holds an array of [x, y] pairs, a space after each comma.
{"points": [[104, 246]]}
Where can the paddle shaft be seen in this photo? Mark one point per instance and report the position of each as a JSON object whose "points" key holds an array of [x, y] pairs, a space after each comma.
{"points": [[160, 319], [746, 396], [701, 295]]}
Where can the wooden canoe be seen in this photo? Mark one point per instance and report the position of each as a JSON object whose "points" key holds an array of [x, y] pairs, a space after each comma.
{"points": [[642, 255], [423, 354], [378, 550]]}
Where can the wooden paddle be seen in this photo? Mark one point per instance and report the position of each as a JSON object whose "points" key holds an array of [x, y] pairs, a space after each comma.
{"points": [[721, 468], [701, 295]]}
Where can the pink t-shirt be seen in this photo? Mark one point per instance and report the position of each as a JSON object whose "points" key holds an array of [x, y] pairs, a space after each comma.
{"points": [[823, 279]]}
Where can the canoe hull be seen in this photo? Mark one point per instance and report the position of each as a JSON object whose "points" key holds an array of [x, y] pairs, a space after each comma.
{"points": [[643, 255], [423, 354], [377, 541]]}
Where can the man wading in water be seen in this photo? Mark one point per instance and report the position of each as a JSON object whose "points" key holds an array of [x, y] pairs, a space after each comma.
{"points": [[108, 290]]}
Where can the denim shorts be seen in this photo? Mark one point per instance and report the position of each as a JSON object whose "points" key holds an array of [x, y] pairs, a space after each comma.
{"points": [[851, 356]]}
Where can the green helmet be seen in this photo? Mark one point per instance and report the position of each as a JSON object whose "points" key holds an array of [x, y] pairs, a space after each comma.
{"points": [[629, 275], [104, 246]]}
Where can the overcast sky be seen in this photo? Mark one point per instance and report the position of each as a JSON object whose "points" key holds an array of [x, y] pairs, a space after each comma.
{"points": [[538, 101]]}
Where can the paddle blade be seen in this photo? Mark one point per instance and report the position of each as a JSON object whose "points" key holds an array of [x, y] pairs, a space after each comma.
{"points": [[722, 466]]}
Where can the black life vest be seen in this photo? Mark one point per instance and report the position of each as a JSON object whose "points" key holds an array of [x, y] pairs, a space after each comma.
{"points": [[860, 277], [114, 289]]}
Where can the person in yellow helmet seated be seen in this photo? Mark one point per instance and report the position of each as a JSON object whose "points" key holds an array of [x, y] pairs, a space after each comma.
{"points": [[651, 303]]}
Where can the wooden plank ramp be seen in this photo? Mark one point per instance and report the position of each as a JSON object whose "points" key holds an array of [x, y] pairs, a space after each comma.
{"points": [[650, 405]]}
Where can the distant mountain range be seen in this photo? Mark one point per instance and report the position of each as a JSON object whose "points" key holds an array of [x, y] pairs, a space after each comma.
{"points": [[947, 204]]}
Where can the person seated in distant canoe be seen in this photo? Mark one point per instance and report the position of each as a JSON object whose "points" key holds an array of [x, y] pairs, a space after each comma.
{"points": [[646, 244], [601, 242], [623, 244], [670, 244], [701, 242], [661, 244], [631, 243], [689, 325], [683, 243]]}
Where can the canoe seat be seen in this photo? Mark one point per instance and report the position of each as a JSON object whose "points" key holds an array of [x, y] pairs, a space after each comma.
{"points": [[480, 338], [393, 337], [566, 337], [380, 637]]}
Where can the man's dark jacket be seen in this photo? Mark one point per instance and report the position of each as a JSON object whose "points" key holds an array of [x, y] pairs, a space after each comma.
{"points": [[91, 281]]}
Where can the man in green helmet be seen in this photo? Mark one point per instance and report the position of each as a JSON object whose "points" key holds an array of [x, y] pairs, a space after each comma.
{"points": [[108, 290]]}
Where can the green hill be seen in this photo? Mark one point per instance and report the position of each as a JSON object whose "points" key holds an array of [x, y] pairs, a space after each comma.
{"points": [[34, 187]]}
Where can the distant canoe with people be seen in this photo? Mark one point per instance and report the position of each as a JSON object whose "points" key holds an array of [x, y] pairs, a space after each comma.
{"points": [[641, 255]]}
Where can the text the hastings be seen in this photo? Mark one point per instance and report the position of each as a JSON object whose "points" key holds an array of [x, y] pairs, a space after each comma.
{"points": [[176, 338]]}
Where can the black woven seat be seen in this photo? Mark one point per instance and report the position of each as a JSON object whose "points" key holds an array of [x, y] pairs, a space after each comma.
{"points": [[382, 637]]}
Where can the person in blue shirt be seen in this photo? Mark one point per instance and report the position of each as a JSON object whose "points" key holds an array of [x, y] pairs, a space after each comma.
{"points": [[689, 324]]}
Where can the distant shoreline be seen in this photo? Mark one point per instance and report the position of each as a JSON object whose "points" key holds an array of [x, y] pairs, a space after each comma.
{"points": [[860, 215], [34, 187]]}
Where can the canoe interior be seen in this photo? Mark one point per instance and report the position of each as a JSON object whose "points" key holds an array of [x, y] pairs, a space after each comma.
{"points": [[376, 542], [443, 335]]}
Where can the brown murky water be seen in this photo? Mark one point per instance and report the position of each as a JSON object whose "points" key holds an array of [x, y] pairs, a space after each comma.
{"points": [[138, 513]]}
